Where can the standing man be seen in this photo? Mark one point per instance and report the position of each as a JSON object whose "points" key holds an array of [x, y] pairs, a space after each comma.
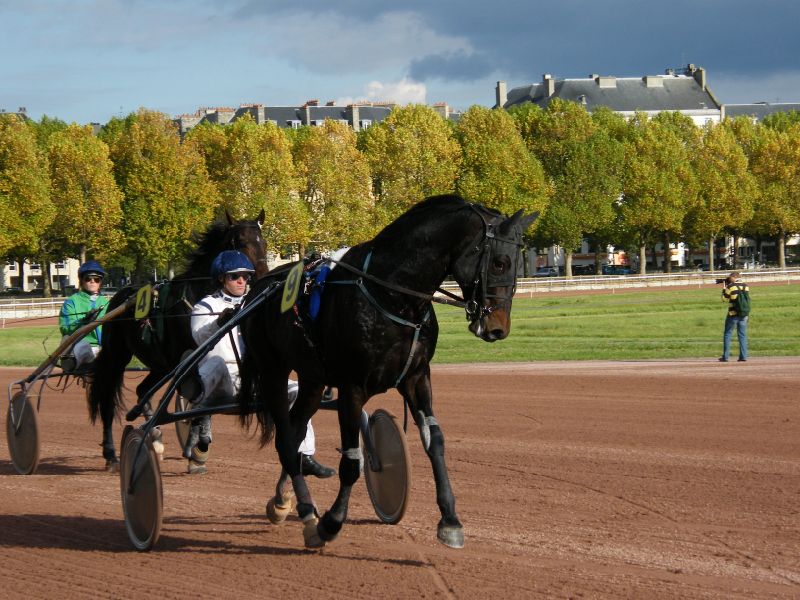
{"points": [[218, 371], [84, 306], [734, 292]]}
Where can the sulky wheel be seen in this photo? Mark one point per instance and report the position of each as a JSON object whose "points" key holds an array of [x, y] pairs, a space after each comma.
{"points": [[389, 486], [22, 432], [182, 427], [140, 486]]}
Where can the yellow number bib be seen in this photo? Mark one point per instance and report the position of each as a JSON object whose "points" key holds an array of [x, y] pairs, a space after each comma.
{"points": [[143, 299], [292, 287]]}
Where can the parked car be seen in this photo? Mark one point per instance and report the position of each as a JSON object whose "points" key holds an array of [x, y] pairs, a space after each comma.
{"points": [[13, 291], [546, 272], [583, 270], [616, 270]]}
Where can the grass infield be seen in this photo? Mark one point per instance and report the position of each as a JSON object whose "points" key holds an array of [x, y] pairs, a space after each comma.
{"points": [[681, 323]]}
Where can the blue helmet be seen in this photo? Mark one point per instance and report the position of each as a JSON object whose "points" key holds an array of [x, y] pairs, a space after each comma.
{"points": [[91, 267], [230, 261]]}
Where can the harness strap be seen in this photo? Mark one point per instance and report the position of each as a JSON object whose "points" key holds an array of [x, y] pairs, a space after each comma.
{"points": [[359, 283]]}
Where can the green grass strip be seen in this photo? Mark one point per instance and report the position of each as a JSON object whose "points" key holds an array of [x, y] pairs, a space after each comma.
{"points": [[661, 323]]}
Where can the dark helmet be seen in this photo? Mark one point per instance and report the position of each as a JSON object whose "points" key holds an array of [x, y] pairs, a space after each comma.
{"points": [[230, 261], [91, 267]]}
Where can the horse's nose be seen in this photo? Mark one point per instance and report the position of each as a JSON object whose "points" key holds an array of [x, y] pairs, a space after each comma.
{"points": [[498, 333]]}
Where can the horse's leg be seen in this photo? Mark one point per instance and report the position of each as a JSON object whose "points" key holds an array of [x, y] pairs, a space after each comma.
{"points": [[105, 396], [417, 393], [351, 402], [287, 443]]}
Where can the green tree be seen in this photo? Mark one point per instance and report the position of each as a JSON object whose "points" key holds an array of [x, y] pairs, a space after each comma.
{"points": [[251, 166], [168, 196], [726, 188], [497, 170], [85, 194], [659, 182], [334, 184], [584, 162], [412, 154], [775, 164], [25, 206]]}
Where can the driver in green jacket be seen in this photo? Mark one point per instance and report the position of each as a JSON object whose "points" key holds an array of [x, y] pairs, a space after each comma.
{"points": [[84, 306]]}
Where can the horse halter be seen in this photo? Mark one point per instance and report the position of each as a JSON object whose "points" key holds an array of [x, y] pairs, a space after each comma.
{"points": [[490, 243]]}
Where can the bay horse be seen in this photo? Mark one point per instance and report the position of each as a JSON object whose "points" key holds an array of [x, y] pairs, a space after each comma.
{"points": [[376, 330], [160, 341]]}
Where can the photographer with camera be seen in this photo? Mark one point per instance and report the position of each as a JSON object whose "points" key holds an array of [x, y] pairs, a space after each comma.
{"points": [[737, 295]]}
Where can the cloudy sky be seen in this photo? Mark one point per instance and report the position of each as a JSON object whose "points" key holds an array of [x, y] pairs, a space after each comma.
{"points": [[89, 60]]}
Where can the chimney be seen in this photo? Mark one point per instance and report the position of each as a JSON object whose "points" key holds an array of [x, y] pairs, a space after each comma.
{"points": [[501, 94], [550, 84], [330, 103], [355, 119], [312, 103], [699, 75]]}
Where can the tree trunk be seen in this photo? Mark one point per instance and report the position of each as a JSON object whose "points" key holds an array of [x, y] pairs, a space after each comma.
{"points": [[567, 263], [47, 278], [3, 275], [667, 254], [598, 265], [643, 259], [711, 241], [735, 251], [82, 253], [782, 251]]}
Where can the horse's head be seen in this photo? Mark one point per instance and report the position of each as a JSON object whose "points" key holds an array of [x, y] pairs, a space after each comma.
{"points": [[487, 272], [246, 237]]}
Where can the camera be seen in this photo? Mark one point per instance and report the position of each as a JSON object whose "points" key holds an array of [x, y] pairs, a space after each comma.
{"points": [[723, 280]]}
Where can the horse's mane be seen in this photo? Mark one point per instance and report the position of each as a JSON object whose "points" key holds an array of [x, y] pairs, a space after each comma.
{"points": [[208, 243], [419, 213]]}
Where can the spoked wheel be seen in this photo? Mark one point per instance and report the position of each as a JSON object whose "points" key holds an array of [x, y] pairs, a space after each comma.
{"points": [[389, 486], [182, 427], [140, 486], [22, 433]]}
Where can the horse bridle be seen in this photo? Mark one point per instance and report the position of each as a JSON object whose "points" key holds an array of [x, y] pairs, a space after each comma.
{"points": [[234, 229], [490, 243]]}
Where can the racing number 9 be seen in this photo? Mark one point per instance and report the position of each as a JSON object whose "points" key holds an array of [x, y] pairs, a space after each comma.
{"points": [[292, 287]]}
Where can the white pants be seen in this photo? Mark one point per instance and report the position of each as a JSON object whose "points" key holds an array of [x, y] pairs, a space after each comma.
{"points": [[84, 352], [222, 379]]}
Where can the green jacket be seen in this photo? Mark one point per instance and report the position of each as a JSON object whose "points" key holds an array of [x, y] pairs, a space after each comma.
{"points": [[74, 311], [731, 292]]}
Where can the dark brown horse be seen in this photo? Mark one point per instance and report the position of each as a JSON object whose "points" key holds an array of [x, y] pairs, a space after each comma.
{"points": [[376, 330], [160, 341]]}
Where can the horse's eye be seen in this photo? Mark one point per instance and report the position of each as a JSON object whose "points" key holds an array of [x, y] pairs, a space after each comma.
{"points": [[500, 264]]}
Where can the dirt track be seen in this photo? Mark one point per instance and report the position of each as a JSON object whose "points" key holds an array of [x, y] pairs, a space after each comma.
{"points": [[621, 479]]}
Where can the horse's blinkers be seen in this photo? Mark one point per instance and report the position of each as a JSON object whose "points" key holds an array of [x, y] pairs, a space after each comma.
{"points": [[488, 275]]}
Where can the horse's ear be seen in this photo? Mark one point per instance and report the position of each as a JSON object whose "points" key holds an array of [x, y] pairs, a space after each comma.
{"points": [[262, 216], [228, 216], [527, 221]]}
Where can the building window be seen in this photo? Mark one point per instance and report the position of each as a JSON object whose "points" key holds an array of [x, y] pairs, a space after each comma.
{"points": [[365, 123], [12, 265], [293, 123], [61, 265]]}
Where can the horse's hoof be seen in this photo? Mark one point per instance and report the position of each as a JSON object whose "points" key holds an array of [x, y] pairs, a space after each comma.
{"points": [[112, 465], [279, 508], [196, 468], [451, 536], [310, 533]]}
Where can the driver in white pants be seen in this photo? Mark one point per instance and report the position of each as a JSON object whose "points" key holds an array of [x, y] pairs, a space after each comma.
{"points": [[219, 370]]}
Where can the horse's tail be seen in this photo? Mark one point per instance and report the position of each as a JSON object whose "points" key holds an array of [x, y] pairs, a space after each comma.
{"points": [[251, 400], [105, 388]]}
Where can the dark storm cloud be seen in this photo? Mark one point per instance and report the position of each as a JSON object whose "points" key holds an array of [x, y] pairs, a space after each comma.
{"points": [[571, 38], [458, 66]]}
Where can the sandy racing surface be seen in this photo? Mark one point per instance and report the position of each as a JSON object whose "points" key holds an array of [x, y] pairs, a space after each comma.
{"points": [[602, 479]]}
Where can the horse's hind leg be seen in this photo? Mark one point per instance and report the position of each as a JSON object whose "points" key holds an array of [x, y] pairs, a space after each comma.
{"points": [[418, 395], [351, 403]]}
